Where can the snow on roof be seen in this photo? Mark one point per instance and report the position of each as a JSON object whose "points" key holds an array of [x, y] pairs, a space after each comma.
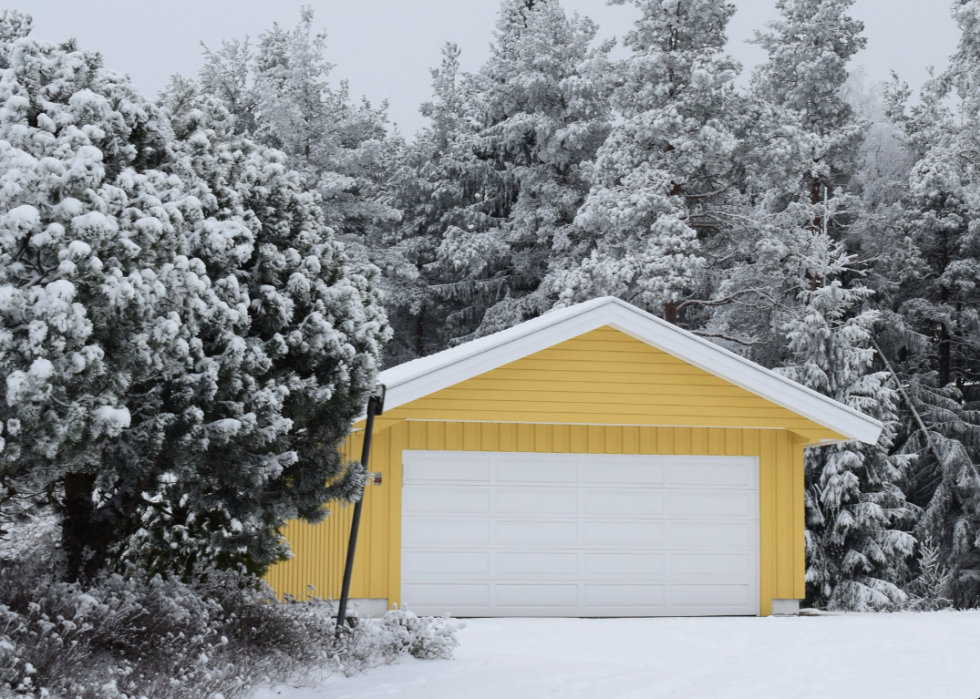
{"points": [[424, 376]]}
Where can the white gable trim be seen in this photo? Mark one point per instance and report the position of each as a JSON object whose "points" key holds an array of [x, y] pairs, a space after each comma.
{"points": [[422, 377]]}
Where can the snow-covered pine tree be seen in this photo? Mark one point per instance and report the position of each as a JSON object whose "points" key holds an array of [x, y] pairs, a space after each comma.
{"points": [[811, 141], [934, 270], [173, 312], [280, 96], [803, 80], [668, 169], [805, 76], [539, 111], [809, 49], [857, 518], [798, 148]]}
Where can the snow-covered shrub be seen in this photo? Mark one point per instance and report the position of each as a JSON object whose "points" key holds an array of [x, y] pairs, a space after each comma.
{"points": [[426, 638], [141, 635], [33, 534]]}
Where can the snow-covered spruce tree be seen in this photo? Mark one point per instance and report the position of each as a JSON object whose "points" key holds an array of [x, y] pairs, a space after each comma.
{"points": [[174, 312], [427, 184], [856, 550], [668, 168], [538, 111], [857, 517], [934, 268]]}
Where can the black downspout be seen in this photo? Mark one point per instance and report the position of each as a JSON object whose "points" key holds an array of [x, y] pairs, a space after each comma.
{"points": [[375, 406]]}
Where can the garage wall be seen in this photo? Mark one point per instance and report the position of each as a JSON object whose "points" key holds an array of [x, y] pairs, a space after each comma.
{"points": [[320, 551], [605, 377]]}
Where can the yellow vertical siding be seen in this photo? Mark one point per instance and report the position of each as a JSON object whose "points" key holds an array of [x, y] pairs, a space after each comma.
{"points": [[320, 550]]}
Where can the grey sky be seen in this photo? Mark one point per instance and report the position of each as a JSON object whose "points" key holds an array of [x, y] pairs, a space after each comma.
{"points": [[385, 47]]}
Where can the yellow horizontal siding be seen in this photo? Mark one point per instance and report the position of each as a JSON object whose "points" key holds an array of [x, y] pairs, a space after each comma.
{"points": [[604, 377], [601, 393]]}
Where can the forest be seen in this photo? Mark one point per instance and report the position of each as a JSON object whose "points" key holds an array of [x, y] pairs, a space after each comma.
{"points": [[198, 290], [281, 242], [823, 227]]}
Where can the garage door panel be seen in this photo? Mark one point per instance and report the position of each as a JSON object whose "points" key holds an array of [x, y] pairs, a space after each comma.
{"points": [[624, 502], [723, 565], [518, 565], [442, 468], [429, 500], [441, 564], [620, 534], [712, 503], [625, 596], [613, 472], [446, 532], [447, 597], [712, 474], [537, 502], [580, 535], [648, 565], [715, 535], [517, 596], [526, 471], [710, 595], [523, 533]]}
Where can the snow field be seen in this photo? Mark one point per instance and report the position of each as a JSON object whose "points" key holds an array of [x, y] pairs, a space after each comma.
{"points": [[851, 656]]}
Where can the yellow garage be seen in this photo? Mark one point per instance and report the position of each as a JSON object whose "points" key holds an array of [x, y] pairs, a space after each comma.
{"points": [[594, 461]]}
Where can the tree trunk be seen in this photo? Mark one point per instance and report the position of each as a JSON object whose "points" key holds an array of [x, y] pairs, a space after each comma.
{"points": [[945, 365], [420, 333], [945, 344], [86, 533]]}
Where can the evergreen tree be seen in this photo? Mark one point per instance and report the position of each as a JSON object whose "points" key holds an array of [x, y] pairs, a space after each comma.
{"points": [[856, 510], [428, 183], [809, 49], [804, 79], [935, 332], [856, 513], [174, 313], [668, 170], [540, 112], [280, 97]]}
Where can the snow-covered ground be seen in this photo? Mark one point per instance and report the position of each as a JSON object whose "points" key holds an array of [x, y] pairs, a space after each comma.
{"points": [[859, 656]]}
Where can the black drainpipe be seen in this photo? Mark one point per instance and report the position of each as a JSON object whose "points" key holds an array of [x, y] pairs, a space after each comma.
{"points": [[375, 406]]}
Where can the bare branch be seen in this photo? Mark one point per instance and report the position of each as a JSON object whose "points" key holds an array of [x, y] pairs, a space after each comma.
{"points": [[728, 299], [729, 338]]}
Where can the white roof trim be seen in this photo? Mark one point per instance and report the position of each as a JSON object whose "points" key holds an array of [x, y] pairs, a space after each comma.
{"points": [[427, 375]]}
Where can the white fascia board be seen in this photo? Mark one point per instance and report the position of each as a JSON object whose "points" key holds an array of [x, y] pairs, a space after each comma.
{"points": [[746, 374], [422, 377], [491, 357], [417, 368]]}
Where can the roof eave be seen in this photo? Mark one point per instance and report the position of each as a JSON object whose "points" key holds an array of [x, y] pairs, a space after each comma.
{"points": [[457, 364]]}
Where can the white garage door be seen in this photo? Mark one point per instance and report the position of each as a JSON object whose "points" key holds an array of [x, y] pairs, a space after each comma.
{"points": [[516, 534]]}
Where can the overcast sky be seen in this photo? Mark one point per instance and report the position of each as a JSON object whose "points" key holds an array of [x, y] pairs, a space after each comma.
{"points": [[384, 48]]}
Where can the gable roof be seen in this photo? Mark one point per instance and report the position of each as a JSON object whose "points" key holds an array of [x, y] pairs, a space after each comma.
{"points": [[427, 375]]}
